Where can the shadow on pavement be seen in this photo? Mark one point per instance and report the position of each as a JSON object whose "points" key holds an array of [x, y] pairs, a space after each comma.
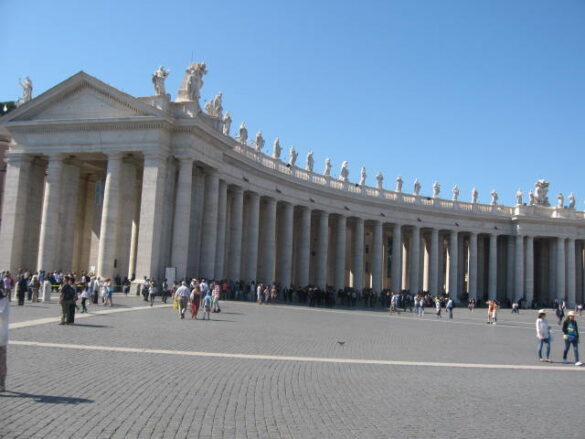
{"points": [[88, 325], [46, 398]]}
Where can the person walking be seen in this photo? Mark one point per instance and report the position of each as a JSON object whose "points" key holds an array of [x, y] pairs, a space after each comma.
{"points": [[66, 299], [543, 335], [207, 306], [152, 292], [4, 316], [450, 307], [85, 296], [182, 296], [21, 289], [560, 312], [195, 299], [571, 336], [438, 307]]}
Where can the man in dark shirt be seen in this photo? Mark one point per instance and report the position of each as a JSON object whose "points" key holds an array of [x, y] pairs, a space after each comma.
{"points": [[66, 299]]}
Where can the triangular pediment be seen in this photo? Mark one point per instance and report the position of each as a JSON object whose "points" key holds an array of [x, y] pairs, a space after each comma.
{"points": [[82, 97]]}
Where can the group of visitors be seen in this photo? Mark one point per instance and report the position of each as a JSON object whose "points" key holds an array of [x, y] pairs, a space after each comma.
{"points": [[570, 331]]}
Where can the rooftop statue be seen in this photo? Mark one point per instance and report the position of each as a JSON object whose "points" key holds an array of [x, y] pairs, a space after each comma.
{"points": [[531, 198], [158, 81], [455, 193], [380, 180], [276, 149], [214, 106], [560, 200], [26, 89], [243, 134], [363, 176], [192, 82], [519, 197], [474, 195], [399, 183], [417, 187], [541, 193], [259, 142], [292, 156], [344, 171], [227, 123], [327, 170], [310, 162], [495, 197], [571, 201], [436, 189]]}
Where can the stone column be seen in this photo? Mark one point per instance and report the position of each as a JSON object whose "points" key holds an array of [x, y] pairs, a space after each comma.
{"points": [[472, 266], [209, 237], [196, 226], [182, 220], [414, 253], [519, 274], [153, 183], [236, 218], [252, 232], [49, 237], [110, 217], [69, 195], [135, 228], [303, 253], [323, 245], [377, 259], [358, 254], [434, 257], [560, 269], [529, 271], [14, 212], [340, 248], [453, 263], [571, 275], [268, 241], [221, 225], [493, 268], [285, 245], [510, 264], [396, 269]]}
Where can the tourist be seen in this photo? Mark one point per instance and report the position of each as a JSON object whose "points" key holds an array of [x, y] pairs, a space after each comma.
{"points": [[207, 306], [471, 305], [8, 285], [438, 307], [215, 298], [4, 317], [109, 291], [182, 297], [164, 291], [195, 298], [515, 308], [21, 289], [571, 336], [67, 300], [152, 293], [85, 295], [47, 290], [491, 312], [543, 335], [449, 307], [560, 312]]}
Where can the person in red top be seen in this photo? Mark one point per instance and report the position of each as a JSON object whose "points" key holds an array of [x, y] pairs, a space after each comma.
{"points": [[195, 299]]}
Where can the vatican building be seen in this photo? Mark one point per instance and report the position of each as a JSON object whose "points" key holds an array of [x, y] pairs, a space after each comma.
{"points": [[104, 182]]}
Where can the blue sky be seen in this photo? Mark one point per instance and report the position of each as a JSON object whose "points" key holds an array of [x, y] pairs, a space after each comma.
{"points": [[486, 93]]}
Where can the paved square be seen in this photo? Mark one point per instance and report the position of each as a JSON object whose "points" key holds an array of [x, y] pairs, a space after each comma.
{"points": [[278, 371]]}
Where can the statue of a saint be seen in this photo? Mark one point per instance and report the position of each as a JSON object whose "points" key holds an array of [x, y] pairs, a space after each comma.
{"points": [[363, 177], [474, 195], [494, 195], [380, 180], [560, 200], [455, 193], [436, 189], [243, 134], [276, 149], [158, 80], [417, 187], [310, 162], [259, 142], [293, 154], [327, 170], [227, 124], [519, 198], [541, 193], [216, 106], [399, 183], [26, 89], [571, 201], [192, 82], [531, 198], [344, 171]]}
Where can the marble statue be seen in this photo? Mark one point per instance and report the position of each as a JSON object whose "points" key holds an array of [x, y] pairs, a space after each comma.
{"points": [[417, 187], [243, 134], [276, 149], [380, 180], [192, 82], [344, 171], [214, 107], [531, 198], [519, 198], [293, 154], [455, 193], [26, 89], [560, 200], [259, 142], [541, 192], [474, 195], [363, 176], [327, 170], [310, 162], [494, 195], [571, 201], [436, 189], [399, 182], [158, 80], [227, 124]]}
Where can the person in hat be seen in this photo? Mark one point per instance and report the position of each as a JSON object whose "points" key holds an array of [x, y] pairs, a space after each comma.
{"points": [[543, 335], [571, 336]]}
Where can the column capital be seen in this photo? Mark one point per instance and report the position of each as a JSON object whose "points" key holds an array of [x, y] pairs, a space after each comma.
{"points": [[115, 155], [154, 156], [185, 159], [18, 158], [236, 189]]}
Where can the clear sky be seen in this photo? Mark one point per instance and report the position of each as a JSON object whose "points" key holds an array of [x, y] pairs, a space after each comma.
{"points": [[484, 93]]}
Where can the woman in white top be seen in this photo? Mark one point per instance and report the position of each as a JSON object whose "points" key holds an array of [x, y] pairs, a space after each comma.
{"points": [[543, 335]]}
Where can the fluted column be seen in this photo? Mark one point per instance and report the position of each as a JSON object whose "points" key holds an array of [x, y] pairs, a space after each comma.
{"points": [[453, 264], [134, 231], [560, 271], [377, 258], [529, 271], [510, 268], [472, 266], [323, 245], [221, 226], [209, 237], [396, 258], [358, 254], [434, 257], [414, 260], [285, 245], [303, 249], [519, 274], [268, 241], [182, 220], [493, 268], [571, 275], [252, 232], [236, 218], [340, 248]]}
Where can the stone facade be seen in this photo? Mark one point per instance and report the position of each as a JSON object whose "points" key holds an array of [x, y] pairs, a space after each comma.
{"points": [[99, 180]]}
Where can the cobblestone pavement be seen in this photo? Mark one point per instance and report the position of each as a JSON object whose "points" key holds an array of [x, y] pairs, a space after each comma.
{"points": [[278, 371]]}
